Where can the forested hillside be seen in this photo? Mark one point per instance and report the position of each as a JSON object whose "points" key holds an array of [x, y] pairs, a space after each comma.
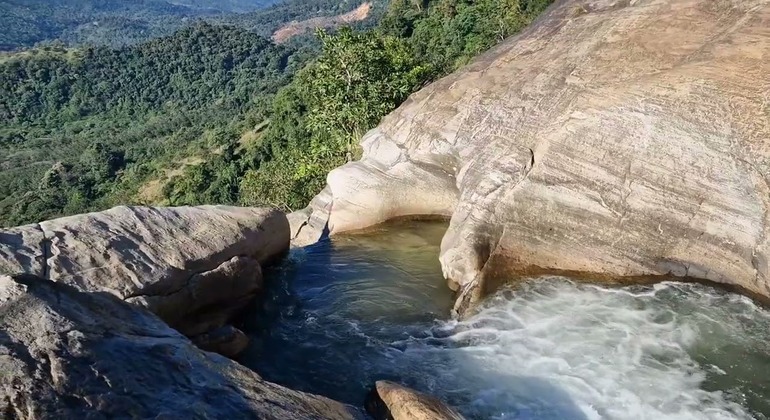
{"points": [[236, 6], [218, 114], [82, 128], [317, 120], [118, 23], [115, 22]]}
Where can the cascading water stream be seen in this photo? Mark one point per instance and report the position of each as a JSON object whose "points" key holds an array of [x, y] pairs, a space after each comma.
{"points": [[361, 308]]}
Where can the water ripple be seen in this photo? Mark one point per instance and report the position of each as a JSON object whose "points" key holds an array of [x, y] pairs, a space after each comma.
{"points": [[363, 308]]}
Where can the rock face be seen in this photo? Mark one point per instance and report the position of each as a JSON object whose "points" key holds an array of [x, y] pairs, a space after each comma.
{"points": [[390, 401], [193, 266], [613, 140], [70, 354]]}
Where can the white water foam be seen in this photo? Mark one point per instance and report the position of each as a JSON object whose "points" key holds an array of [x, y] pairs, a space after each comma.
{"points": [[359, 309], [554, 349]]}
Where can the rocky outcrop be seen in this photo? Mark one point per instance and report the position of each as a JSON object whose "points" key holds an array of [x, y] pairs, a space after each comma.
{"points": [[390, 401], [195, 267], [611, 140], [70, 354]]}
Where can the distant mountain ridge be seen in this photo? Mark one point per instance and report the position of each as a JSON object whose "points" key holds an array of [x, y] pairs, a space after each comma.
{"points": [[117, 23], [234, 6], [108, 22]]}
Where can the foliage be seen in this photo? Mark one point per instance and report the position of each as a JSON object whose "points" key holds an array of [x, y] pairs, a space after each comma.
{"points": [[96, 123], [28, 22], [219, 115], [361, 76], [448, 33], [197, 65], [117, 23], [358, 78], [238, 6]]}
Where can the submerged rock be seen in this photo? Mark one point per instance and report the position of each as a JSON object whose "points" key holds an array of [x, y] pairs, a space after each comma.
{"points": [[615, 141], [390, 401], [70, 354], [194, 267]]}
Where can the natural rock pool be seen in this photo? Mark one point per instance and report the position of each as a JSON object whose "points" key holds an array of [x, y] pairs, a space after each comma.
{"points": [[359, 308]]}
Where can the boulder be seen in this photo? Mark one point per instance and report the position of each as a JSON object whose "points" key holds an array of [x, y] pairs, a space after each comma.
{"points": [[195, 267], [620, 141], [70, 354], [390, 401]]}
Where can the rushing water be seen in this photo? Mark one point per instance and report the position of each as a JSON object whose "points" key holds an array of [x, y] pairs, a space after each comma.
{"points": [[345, 313]]}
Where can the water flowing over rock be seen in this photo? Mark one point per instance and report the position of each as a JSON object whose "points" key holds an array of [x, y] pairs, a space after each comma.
{"points": [[70, 354], [390, 401], [195, 267], [611, 140]]}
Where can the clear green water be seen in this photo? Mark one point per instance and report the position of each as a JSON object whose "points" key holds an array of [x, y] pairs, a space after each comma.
{"points": [[345, 313]]}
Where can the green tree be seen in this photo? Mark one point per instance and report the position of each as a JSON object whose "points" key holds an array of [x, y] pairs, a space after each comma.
{"points": [[359, 77], [228, 115]]}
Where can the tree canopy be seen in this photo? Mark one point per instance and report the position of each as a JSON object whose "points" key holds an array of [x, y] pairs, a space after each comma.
{"points": [[217, 114], [99, 121], [361, 76]]}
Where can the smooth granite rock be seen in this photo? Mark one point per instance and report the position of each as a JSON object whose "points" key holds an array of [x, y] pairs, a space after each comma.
{"points": [[621, 141], [66, 354], [391, 401], [195, 267]]}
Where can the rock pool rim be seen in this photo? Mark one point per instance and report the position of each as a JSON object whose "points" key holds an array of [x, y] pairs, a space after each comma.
{"points": [[498, 272]]}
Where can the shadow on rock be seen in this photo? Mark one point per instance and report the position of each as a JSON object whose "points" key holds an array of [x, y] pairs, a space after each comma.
{"points": [[70, 354]]}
